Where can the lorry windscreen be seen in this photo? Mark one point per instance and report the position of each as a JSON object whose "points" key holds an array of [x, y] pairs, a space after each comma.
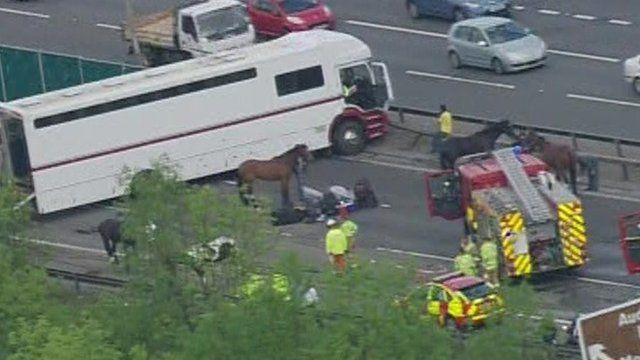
{"points": [[222, 23]]}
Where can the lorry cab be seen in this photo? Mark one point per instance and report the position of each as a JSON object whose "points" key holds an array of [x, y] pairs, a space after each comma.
{"points": [[372, 84], [212, 26], [629, 229]]}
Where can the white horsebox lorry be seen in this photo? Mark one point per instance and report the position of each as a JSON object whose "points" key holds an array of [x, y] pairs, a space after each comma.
{"points": [[205, 115], [197, 29]]}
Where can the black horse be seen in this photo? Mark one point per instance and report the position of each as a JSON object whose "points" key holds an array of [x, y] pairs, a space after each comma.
{"points": [[481, 141], [111, 234]]}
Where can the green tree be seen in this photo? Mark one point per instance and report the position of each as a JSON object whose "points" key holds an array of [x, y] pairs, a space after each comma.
{"points": [[355, 319], [165, 297], [23, 288], [516, 336], [40, 339]]}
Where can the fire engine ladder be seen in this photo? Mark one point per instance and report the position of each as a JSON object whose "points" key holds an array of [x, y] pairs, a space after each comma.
{"points": [[535, 207]]}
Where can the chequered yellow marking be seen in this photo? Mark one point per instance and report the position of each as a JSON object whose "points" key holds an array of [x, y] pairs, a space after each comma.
{"points": [[523, 265], [572, 233], [512, 223]]}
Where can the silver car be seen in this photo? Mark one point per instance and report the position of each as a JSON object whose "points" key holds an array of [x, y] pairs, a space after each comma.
{"points": [[632, 72], [494, 43]]}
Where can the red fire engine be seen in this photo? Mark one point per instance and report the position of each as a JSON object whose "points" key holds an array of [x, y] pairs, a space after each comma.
{"points": [[536, 221], [629, 228]]}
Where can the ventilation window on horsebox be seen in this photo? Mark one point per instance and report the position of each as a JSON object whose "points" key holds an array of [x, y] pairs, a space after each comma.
{"points": [[299, 80]]}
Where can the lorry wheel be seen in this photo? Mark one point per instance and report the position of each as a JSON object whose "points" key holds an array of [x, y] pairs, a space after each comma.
{"points": [[348, 138], [636, 85]]}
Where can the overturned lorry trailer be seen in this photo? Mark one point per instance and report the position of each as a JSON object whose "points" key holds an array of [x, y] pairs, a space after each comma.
{"points": [[537, 222]]}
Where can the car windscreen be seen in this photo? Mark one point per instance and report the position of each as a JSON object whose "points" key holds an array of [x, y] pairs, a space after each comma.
{"points": [[294, 6], [506, 32], [477, 291], [222, 23]]}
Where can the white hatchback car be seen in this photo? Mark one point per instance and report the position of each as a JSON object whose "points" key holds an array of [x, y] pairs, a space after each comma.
{"points": [[632, 72]]}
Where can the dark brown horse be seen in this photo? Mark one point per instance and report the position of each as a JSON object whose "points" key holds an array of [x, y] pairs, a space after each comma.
{"points": [[481, 141], [280, 168], [560, 157]]}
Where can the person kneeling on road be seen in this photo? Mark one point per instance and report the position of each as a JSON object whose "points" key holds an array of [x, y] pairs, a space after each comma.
{"points": [[465, 263], [489, 256]]}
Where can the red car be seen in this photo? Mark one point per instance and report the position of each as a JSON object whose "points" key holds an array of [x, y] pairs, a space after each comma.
{"points": [[279, 17]]}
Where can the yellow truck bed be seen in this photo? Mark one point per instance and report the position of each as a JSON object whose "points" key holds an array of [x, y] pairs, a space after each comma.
{"points": [[156, 29]]}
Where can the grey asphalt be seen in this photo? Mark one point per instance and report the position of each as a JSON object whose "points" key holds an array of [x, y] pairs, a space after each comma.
{"points": [[403, 226], [540, 96]]}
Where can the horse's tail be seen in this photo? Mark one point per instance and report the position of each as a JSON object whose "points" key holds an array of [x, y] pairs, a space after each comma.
{"points": [[573, 164]]}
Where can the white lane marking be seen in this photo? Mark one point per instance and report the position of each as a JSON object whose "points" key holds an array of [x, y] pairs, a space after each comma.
{"points": [[619, 22], [464, 80], [583, 17], [518, 7], [538, 318], [605, 282], [392, 165], [438, 257], [549, 12], [413, 253], [109, 26], [603, 100], [611, 196], [396, 28], [584, 56], [24, 13], [61, 245], [444, 36]]}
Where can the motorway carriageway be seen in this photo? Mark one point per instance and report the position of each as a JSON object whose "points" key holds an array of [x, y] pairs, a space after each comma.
{"points": [[403, 229], [581, 88]]}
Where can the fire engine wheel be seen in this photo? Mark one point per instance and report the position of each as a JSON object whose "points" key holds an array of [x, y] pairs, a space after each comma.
{"points": [[348, 138]]}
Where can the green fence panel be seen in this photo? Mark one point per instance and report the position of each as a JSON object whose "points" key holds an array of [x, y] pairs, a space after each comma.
{"points": [[60, 71], [95, 70], [25, 72], [21, 72]]}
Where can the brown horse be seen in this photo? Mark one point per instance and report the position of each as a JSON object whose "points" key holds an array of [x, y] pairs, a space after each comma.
{"points": [[280, 168], [560, 157]]}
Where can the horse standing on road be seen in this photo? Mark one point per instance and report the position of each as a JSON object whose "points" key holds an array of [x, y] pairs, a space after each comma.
{"points": [[560, 157], [482, 141], [280, 168], [111, 234]]}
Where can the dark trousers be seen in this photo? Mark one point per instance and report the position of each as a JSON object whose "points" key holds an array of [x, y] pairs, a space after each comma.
{"points": [[438, 139]]}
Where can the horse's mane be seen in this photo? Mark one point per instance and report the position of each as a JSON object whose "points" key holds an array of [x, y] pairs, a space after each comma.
{"points": [[493, 127], [288, 152]]}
